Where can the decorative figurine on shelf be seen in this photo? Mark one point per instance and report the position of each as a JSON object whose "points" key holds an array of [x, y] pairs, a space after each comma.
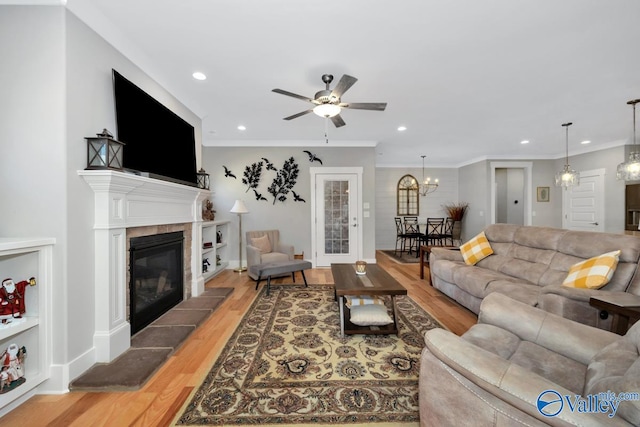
{"points": [[218, 236], [12, 368], [205, 265], [12, 305], [218, 260], [208, 213]]}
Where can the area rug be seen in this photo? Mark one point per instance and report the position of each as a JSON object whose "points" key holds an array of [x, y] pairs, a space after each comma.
{"points": [[402, 257], [288, 364]]}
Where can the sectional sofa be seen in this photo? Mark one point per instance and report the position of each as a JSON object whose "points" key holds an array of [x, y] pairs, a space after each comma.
{"points": [[529, 264]]}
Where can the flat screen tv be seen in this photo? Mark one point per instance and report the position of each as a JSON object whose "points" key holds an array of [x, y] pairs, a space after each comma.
{"points": [[158, 142]]}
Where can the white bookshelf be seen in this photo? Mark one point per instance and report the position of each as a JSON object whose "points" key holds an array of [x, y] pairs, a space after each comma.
{"points": [[211, 230], [21, 259]]}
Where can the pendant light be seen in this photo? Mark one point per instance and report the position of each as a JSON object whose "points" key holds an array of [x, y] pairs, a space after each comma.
{"points": [[630, 170], [427, 186], [567, 177]]}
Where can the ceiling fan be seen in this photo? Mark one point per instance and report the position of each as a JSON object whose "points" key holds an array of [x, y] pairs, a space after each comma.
{"points": [[327, 102]]}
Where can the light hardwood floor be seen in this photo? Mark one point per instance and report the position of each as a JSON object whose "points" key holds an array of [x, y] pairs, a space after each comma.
{"points": [[161, 398]]}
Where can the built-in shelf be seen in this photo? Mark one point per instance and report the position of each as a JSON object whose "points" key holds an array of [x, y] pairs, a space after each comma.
{"points": [[217, 233], [21, 259]]}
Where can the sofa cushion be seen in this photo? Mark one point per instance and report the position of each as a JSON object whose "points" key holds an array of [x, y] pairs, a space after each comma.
{"points": [[616, 368], [474, 280], [593, 273], [274, 257], [519, 291], [536, 358], [551, 365], [476, 249], [262, 243]]}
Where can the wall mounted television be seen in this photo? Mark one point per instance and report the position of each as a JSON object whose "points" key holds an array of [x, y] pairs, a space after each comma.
{"points": [[158, 142]]}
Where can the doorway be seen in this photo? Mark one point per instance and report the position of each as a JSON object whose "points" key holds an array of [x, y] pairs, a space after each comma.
{"points": [[512, 195], [583, 205], [336, 215]]}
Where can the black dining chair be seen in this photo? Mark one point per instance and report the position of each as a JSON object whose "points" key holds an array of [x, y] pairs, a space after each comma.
{"points": [[447, 231], [401, 236], [412, 230], [434, 234]]}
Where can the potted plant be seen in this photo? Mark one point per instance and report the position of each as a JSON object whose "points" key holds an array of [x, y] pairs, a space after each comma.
{"points": [[456, 212]]}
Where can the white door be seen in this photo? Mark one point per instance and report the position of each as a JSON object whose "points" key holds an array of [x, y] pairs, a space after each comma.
{"points": [[337, 236], [583, 205]]}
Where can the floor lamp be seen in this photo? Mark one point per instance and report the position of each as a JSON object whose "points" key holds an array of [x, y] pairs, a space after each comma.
{"points": [[240, 209]]}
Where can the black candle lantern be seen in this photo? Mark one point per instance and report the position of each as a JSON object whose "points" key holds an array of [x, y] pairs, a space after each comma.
{"points": [[104, 152], [203, 179]]}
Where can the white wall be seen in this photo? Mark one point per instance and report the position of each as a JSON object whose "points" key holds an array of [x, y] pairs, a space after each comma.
{"points": [[33, 163], [56, 90]]}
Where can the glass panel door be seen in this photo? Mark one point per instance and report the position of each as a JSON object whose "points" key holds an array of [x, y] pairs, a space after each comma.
{"points": [[337, 219]]}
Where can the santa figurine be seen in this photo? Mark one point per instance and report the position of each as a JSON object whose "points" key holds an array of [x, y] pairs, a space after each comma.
{"points": [[12, 303], [12, 365]]}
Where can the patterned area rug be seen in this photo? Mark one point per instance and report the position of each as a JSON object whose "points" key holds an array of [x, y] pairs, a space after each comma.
{"points": [[287, 363]]}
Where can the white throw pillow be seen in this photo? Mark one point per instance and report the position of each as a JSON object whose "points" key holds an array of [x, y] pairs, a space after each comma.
{"points": [[370, 315]]}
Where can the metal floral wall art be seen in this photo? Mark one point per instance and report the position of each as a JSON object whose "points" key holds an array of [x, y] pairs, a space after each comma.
{"points": [[284, 181], [252, 175]]}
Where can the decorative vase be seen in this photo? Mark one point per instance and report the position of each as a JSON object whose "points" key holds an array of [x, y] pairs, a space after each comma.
{"points": [[456, 231]]}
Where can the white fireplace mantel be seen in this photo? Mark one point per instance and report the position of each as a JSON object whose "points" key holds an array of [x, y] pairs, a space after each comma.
{"points": [[122, 201]]}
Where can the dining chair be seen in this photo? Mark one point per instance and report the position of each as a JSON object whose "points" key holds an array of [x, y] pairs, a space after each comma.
{"points": [[412, 230], [434, 234], [401, 236], [447, 231]]}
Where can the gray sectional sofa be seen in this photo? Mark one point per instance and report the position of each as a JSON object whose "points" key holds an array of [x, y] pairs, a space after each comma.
{"points": [[530, 263]]}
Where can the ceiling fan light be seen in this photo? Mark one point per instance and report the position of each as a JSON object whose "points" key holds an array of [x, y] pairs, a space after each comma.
{"points": [[326, 110]]}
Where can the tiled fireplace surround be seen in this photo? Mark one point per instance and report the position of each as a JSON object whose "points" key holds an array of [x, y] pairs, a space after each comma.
{"points": [[128, 206]]}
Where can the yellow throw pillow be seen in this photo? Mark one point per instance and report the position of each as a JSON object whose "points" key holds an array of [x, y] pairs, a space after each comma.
{"points": [[262, 243], [593, 273], [476, 249]]}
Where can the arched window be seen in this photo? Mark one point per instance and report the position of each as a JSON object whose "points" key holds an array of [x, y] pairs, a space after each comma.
{"points": [[407, 196]]}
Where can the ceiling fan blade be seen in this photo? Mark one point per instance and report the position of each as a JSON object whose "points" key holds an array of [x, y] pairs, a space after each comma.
{"points": [[284, 92], [295, 116], [346, 81], [337, 121], [379, 106]]}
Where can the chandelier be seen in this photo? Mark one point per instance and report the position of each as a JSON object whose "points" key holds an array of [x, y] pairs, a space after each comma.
{"points": [[427, 186], [567, 177], [630, 170]]}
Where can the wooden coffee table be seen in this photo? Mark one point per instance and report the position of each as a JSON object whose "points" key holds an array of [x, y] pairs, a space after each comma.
{"points": [[376, 282]]}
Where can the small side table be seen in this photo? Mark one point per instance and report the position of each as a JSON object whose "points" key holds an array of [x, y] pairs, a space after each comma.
{"points": [[624, 308]]}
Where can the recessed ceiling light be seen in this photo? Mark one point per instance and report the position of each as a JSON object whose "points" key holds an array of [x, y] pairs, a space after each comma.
{"points": [[524, 142], [402, 128], [585, 142], [241, 127], [199, 76]]}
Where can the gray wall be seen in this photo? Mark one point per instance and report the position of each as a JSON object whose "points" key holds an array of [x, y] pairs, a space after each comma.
{"points": [[430, 205], [293, 219], [607, 159]]}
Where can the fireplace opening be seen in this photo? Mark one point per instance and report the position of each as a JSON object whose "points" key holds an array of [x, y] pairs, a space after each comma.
{"points": [[156, 276]]}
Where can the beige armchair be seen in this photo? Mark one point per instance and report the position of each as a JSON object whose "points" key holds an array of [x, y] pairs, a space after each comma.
{"points": [[264, 246], [517, 359]]}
